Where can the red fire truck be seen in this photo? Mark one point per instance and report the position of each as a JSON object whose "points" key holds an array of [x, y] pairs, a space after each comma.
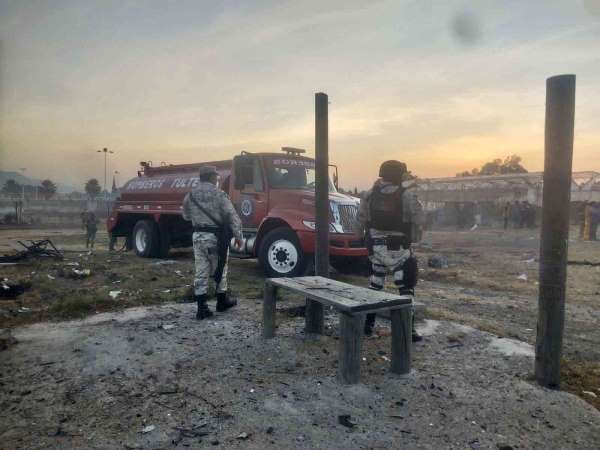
{"points": [[273, 194]]}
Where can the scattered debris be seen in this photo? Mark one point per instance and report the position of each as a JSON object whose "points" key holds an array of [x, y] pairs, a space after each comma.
{"points": [[10, 290], [523, 277], [584, 263], [243, 436], [50, 277], [114, 294], [35, 249], [168, 326], [192, 432], [148, 429], [165, 262], [437, 262], [590, 394], [344, 420], [76, 273]]}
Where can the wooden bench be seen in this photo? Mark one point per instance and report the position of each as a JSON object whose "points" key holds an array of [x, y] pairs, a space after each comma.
{"points": [[353, 303]]}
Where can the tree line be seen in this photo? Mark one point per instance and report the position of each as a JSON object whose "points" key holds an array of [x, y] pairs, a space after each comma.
{"points": [[510, 164], [46, 189]]}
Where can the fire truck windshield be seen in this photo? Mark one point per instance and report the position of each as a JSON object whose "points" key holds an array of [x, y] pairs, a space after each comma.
{"points": [[291, 173]]}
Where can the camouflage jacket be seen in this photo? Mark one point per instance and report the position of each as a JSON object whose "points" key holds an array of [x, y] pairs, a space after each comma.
{"points": [[411, 209], [217, 203], [89, 221]]}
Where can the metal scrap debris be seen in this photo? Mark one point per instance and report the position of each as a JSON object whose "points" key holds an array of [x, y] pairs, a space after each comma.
{"points": [[34, 249]]}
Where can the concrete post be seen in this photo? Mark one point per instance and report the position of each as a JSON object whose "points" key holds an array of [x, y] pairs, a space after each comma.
{"points": [[560, 123]]}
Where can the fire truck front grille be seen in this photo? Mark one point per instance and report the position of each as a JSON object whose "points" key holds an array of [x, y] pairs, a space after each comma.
{"points": [[348, 217]]}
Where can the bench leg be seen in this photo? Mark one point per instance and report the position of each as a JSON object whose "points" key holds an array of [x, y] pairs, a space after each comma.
{"points": [[401, 339], [314, 317], [269, 307], [351, 335]]}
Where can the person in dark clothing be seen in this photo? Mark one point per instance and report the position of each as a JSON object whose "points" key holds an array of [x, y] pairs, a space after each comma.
{"points": [[506, 214]]}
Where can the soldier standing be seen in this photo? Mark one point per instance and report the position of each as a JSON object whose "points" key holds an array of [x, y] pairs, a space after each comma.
{"points": [[90, 224], [389, 216], [215, 221]]}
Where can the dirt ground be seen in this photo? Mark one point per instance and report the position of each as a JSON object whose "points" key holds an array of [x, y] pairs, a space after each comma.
{"points": [[99, 381]]}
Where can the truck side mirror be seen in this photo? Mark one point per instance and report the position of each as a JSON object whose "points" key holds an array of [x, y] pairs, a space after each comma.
{"points": [[335, 175]]}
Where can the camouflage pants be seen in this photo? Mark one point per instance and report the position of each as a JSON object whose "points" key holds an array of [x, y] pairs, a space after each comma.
{"points": [[90, 237], [206, 259], [385, 261]]}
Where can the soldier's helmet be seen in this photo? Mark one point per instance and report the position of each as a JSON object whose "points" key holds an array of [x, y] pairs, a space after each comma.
{"points": [[392, 171], [208, 170]]}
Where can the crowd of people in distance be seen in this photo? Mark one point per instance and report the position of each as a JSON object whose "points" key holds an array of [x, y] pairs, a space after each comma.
{"points": [[519, 214]]}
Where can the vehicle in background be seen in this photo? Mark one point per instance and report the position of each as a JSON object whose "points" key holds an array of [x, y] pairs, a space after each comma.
{"points": [[274, 194]]}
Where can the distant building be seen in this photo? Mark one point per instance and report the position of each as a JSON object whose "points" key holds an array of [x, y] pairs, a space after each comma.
{"points": [[435, 192]]}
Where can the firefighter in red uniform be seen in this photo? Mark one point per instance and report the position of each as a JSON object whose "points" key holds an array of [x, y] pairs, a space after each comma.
{"points": [[390, 216]]}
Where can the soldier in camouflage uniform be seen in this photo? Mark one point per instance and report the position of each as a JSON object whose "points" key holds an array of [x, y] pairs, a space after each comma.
{"points": [[389, 216], [90, 224], [211, 212]]}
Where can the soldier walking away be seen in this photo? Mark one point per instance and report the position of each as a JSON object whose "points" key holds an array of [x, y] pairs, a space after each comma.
{"points": [[215, 222], [90, 224], [389, 216]]}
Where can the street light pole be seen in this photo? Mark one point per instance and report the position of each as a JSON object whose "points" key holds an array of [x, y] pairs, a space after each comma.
{"points": [[106, 152], [23, 169]]}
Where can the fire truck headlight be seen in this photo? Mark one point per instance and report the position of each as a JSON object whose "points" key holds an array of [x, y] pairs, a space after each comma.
{"points": [[311, 225]]}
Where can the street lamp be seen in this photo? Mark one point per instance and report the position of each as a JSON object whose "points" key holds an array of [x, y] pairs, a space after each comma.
{"points": [[115, 183], [23, 169], [106, 152]]}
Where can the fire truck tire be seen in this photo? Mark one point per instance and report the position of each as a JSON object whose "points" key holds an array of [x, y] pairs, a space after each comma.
{"points": [[145, 239], [280, 254]]}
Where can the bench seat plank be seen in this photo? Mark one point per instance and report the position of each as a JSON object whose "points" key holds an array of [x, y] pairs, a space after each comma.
{"points": [[345, 297]]}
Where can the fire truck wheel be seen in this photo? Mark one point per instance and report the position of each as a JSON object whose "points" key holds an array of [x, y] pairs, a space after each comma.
{"points": [[145, 238], [280, 254]]}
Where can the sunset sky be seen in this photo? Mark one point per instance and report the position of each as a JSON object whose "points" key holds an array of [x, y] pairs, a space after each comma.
{"points": [[442, 85]]}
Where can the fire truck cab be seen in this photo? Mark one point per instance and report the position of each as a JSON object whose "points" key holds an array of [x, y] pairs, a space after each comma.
{"points": [[273, 194]]}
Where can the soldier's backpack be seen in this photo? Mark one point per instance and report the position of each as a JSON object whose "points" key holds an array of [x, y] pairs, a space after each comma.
{"points": [[387, 212]]}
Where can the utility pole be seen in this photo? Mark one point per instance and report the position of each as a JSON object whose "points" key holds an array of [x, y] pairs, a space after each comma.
{"points": [[314, 310], [560, 124]]}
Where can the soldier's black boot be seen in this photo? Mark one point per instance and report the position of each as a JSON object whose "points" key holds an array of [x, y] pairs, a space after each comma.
{"points": [[416, 337], [203, 311], [224, 301], [369, 324]]}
